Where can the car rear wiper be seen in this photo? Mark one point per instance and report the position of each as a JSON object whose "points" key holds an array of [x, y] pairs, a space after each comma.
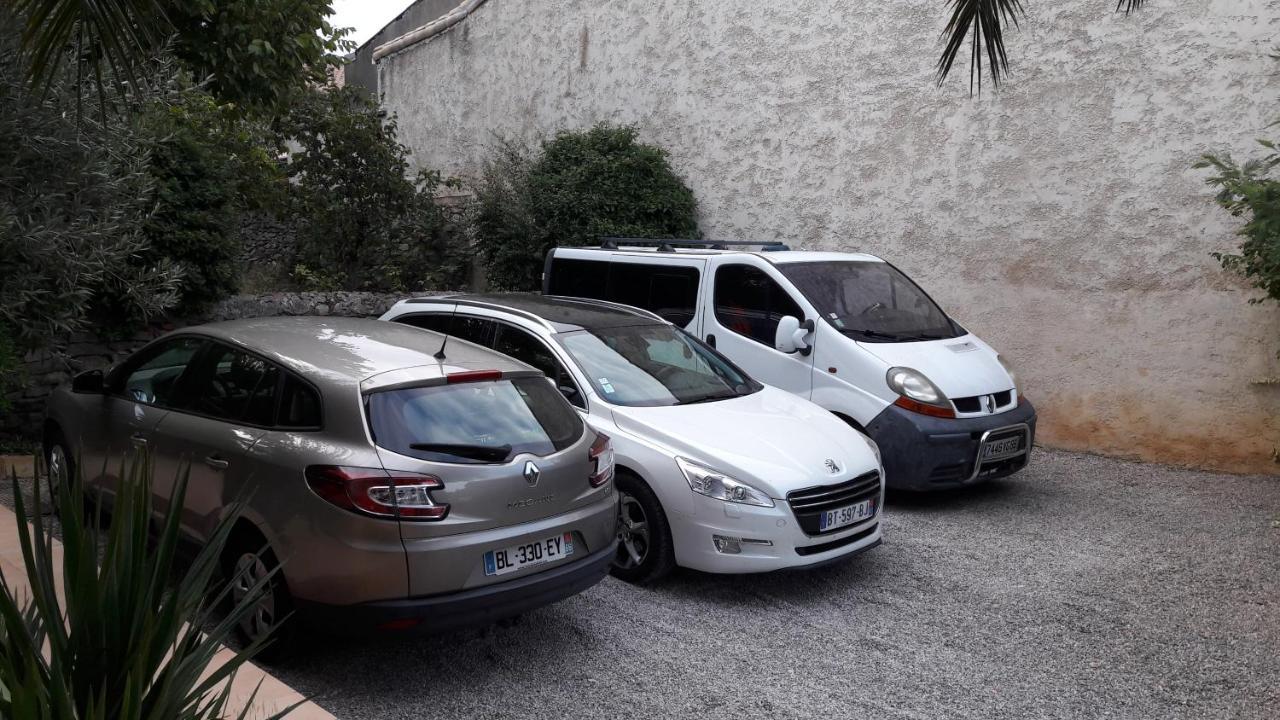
{"points": [[485, 453]]}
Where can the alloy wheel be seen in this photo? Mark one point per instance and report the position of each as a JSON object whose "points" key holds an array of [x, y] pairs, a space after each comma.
{"points": [[633, 532], [250, 573]]}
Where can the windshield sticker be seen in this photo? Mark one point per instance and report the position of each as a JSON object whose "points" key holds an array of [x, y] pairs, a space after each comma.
{"points": [[606, 385], [835, 320]]}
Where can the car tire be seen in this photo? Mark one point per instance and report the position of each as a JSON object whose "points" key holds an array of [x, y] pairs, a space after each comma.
{"points": [[645, 551], [245, 562], [60, 469]]}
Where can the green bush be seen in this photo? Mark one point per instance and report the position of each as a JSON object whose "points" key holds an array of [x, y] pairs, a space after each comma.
{"points": [[137, 628], [363, 221], [578, 187], [1251, 192]]}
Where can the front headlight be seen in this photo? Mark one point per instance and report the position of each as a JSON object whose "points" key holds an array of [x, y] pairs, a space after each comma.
{"points": [[1008, 367], [913, 384], [705, 481]]}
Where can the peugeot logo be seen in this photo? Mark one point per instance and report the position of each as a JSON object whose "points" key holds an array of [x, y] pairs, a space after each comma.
{"points": [[531, 473], [832, 467]]}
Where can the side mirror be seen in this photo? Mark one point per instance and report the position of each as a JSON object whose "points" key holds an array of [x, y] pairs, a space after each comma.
{"points": [[89, 382], [792, 335]]}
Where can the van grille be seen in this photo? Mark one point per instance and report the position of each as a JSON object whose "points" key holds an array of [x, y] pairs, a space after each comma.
{"points": [[809, 504], [1000, 401]]}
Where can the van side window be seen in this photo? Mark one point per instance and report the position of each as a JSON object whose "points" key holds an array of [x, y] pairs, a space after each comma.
{"points": [[526, 348], [579, 278], [671, 292], [748, 302], [471, 329]]}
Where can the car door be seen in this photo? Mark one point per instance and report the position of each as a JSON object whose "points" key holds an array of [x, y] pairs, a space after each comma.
{"points": [[229, 401], [529, 348], [140, 393], [743, 304]]}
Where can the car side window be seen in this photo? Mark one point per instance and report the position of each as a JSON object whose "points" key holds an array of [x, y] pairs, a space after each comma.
{"points": [[748, 302], [232, 385], [299, 405], [153, 378], [526, 348], [472, 329], [579, 278], [671, 292]]}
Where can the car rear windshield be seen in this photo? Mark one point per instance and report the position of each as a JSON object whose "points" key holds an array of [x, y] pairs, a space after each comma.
{"points": [[474, 422], [871, 301]]}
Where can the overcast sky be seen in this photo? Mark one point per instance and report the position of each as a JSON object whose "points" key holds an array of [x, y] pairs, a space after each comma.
{"points": [[366, 16]]}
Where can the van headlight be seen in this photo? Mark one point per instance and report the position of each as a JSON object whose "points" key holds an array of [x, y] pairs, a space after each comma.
{"points": [[913, 384], [705, 481], [1008, 367]]}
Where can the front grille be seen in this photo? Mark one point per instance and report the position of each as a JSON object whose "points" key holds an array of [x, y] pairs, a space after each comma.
{"points": [[973, 404], [809, 504], [821, 548]]}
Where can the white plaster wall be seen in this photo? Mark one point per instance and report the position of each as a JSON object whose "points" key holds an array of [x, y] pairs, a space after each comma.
{"points": [[1059, 218]]}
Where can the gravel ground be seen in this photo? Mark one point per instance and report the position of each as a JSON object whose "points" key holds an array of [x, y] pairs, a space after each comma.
{"points": [[1084, 587]]}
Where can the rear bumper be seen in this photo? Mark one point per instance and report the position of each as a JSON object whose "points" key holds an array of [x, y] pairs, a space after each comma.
{"points": [[926, 453], [469, 608]]}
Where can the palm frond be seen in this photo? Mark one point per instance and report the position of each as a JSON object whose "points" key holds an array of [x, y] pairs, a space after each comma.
{"points": [[983, 22], [1128, 5]]}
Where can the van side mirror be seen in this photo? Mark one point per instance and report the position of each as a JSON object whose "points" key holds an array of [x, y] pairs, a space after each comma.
{"points": [[793, 335], [89, 382]]}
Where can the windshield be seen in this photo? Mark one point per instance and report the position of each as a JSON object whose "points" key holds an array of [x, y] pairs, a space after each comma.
{"points": [[654, 365], [871, 301], [474, 422]]}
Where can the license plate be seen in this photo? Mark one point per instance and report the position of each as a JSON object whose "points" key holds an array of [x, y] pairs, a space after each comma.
{"points": [[847, 515], [1001, 448], [539, 552]]}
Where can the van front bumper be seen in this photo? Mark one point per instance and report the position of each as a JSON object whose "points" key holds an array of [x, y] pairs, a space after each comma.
{"points": [[468, 608], [920, 452]]}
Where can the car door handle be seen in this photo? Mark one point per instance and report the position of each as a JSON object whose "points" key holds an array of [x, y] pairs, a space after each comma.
{"points": [[138, 440], [216, 462], [711, 340]]}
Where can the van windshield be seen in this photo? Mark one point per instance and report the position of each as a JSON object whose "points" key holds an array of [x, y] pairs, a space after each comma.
{"points": [[654, 365], [871, 301]]}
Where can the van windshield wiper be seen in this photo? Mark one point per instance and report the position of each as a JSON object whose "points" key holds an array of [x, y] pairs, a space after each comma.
{"points": [[487, 453]]}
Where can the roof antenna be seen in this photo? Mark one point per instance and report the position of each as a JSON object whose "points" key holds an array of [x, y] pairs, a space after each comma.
{"points": [[440, 353]]}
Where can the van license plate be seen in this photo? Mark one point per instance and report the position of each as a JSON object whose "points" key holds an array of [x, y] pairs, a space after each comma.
{"points": [[539, 552], [847, 515], [1001, 449]]}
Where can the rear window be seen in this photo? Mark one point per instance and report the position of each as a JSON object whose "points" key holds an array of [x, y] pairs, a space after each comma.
{"points": [[474, 423]]}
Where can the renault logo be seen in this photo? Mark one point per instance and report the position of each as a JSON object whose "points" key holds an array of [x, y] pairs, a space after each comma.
{"points": [[531, 473], [832, 467], [988, 403]]}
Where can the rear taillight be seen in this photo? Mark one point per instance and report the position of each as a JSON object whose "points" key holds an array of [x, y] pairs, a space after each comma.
{"points": [[377, 492], [602, 458]]}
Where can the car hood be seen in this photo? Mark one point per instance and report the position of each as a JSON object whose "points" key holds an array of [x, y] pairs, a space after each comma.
{"points": [[770, 439], [960, 367]]}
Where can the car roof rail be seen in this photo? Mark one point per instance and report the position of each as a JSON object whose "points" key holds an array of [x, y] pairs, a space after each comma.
{"points": [[670, 244]]}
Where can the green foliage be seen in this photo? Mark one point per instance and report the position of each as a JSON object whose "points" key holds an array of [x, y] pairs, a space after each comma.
{"points": [[74, 197], [582, 185], [257, 54], [363, 222], [10, 365], [1250, 191], [129, 642]]}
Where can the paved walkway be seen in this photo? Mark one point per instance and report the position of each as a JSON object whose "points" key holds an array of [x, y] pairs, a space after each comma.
{"points": [[273, 695]]}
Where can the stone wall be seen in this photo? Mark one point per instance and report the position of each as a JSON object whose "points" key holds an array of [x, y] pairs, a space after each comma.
{"points": [[47, 369], [1058, 217]]}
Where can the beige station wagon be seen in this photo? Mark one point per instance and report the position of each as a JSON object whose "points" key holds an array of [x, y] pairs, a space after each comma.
{"points": [[403, 488]]}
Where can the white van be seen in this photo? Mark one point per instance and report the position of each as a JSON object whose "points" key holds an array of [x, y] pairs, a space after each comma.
{"points": [[848, 331]]}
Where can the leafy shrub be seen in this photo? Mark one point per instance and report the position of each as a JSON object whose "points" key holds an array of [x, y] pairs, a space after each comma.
{"points": [[74, 197], [364, 223], [580, 186], [129, 642], [1251, 192]]}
